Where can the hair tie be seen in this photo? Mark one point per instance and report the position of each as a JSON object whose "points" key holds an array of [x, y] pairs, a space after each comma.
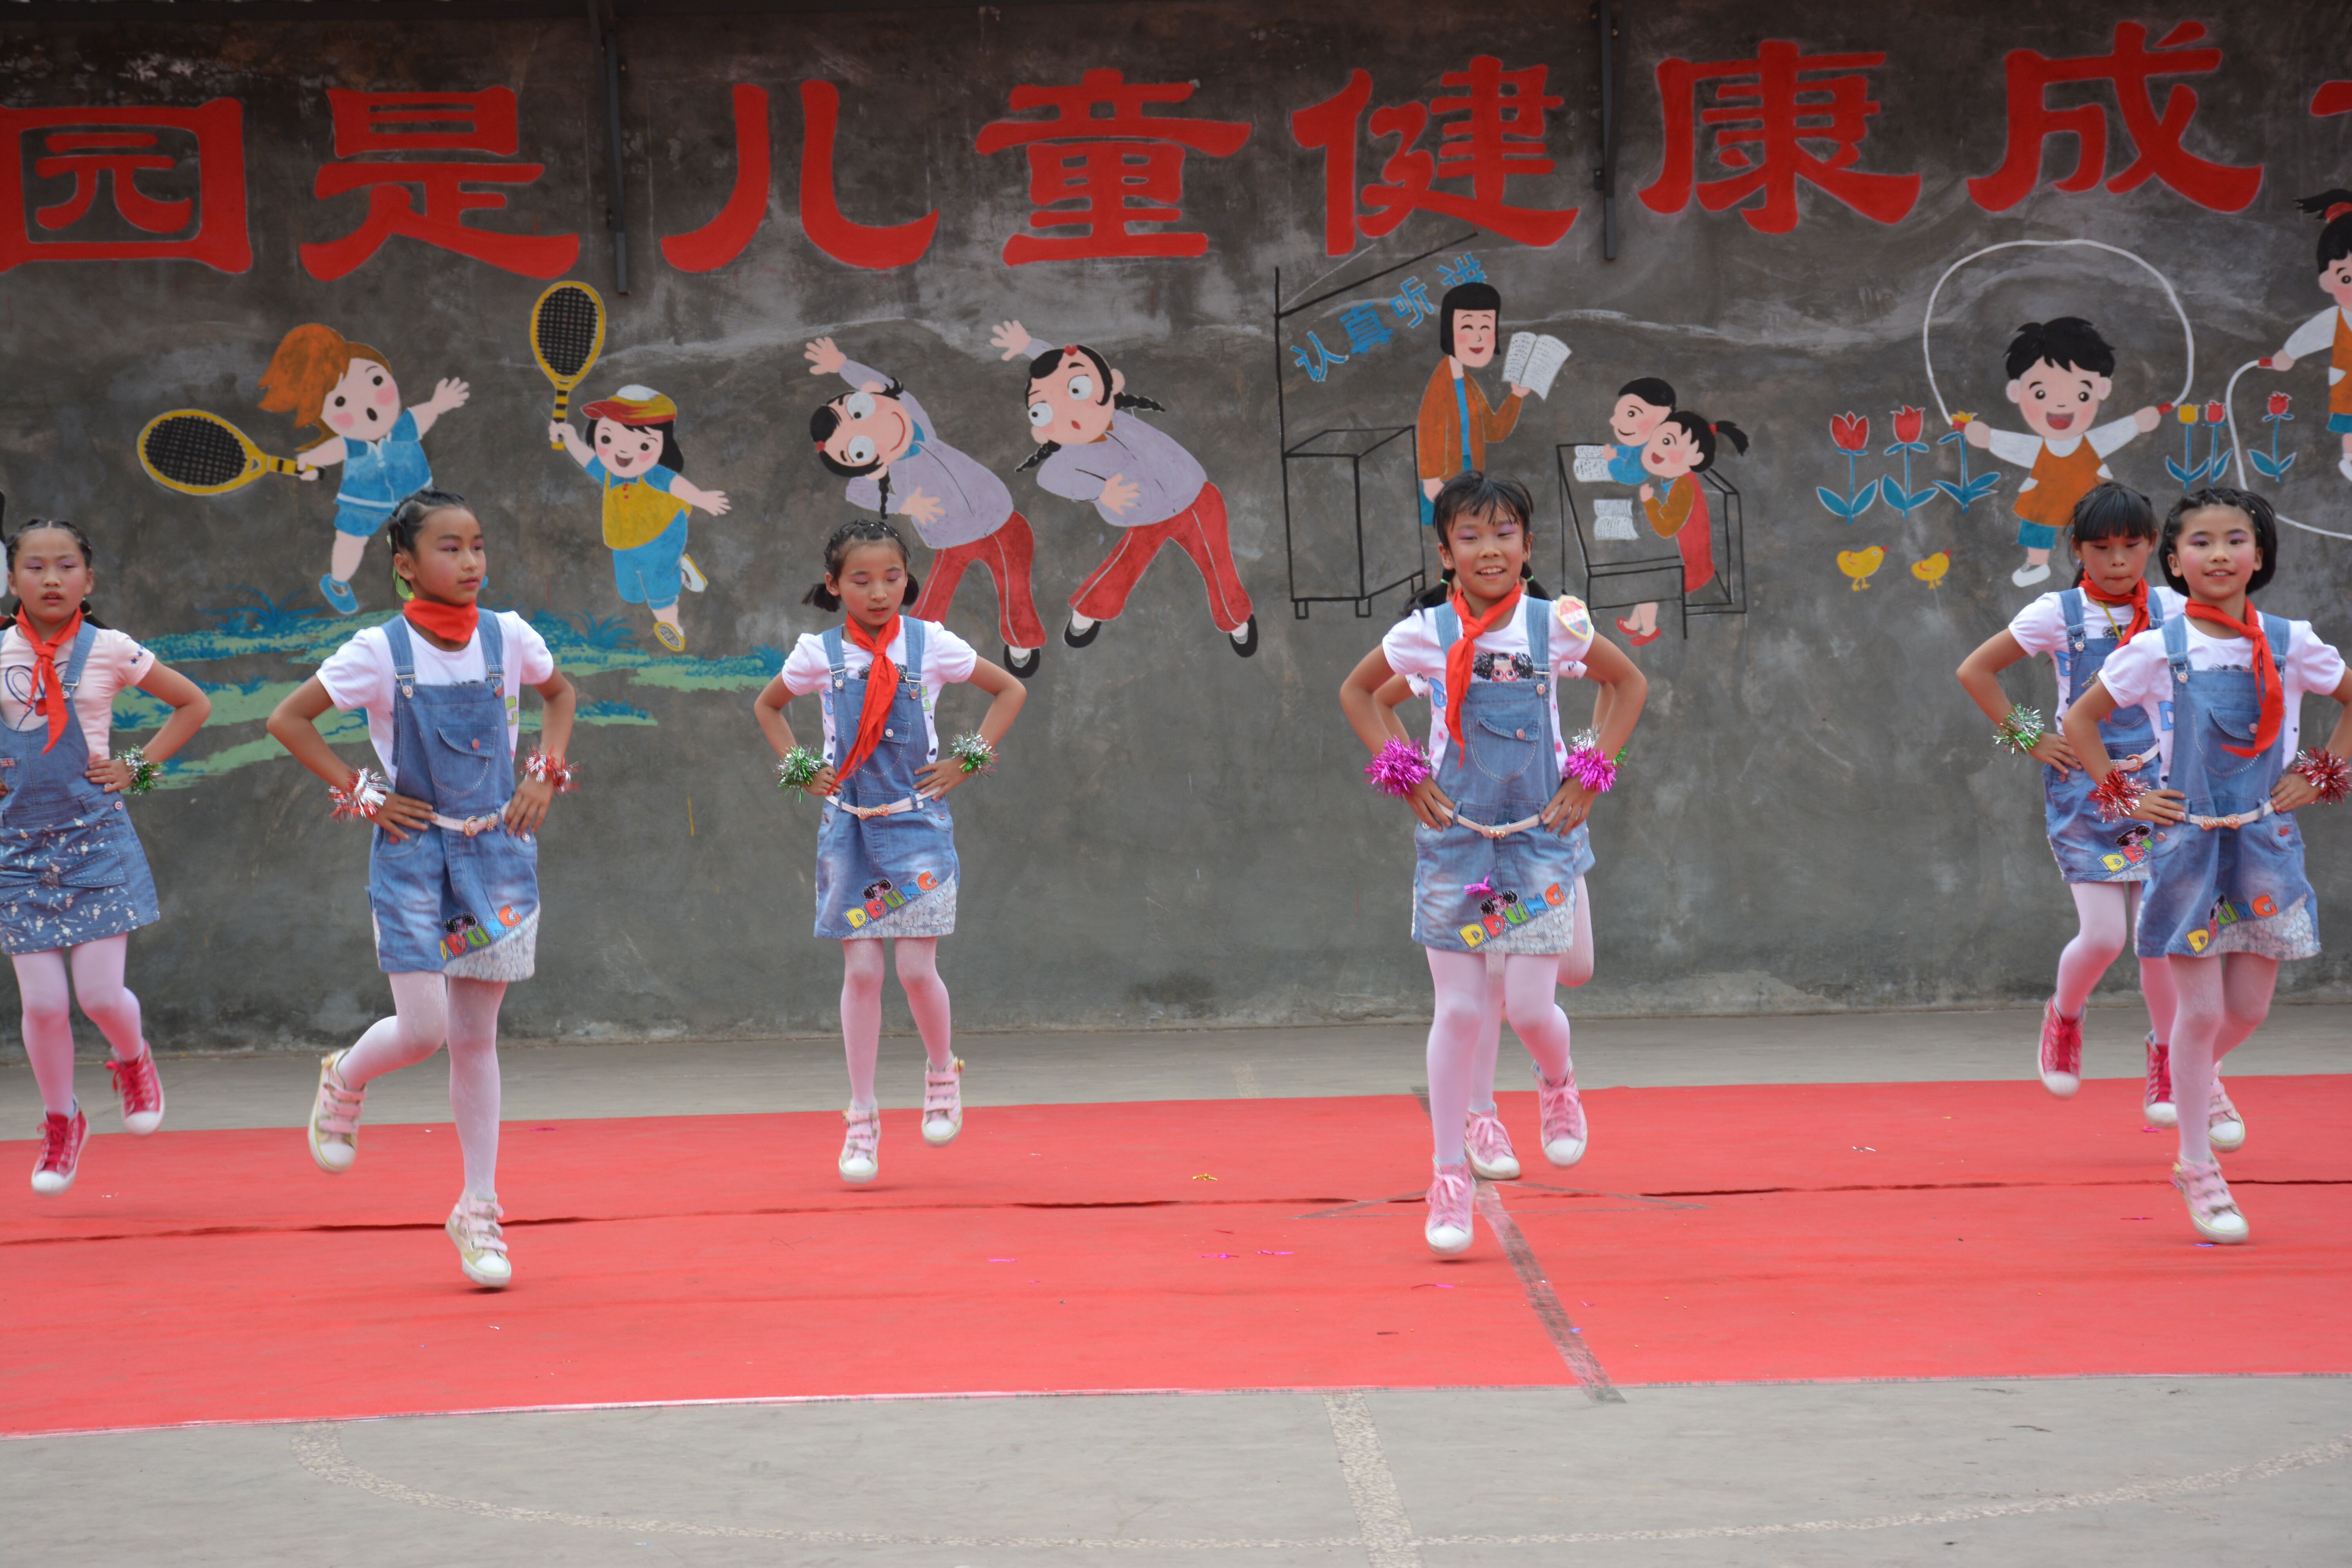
{"points": [[2337, 211]]}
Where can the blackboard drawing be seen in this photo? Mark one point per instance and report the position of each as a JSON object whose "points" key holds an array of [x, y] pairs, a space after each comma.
{"points": [[2331, 329], [2060, 376], [1092, 446], [1932, 570], [632, 456], [1858, 564], [1683, 447], [1456, 423], [1910, 441], [1971, 488], [1641, 405], [346, 391], [1850, 433], [2191, 472], [567, 334], [202, 454], [2273, 465], [881, 438]]}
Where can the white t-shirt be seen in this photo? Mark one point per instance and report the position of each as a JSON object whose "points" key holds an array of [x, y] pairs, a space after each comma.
{"points": [[359, 675], [946, 659], [116, 663], [2041, 628], [1412, 649], [2137, 675]]}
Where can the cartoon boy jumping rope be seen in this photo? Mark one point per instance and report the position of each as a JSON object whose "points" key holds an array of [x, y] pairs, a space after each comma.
{"points": [[2058, 378], [1455, 423], [636, 463], [2332, 328]]}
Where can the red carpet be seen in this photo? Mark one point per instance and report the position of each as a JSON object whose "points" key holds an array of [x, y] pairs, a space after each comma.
{"points": [[1734, 1234]]}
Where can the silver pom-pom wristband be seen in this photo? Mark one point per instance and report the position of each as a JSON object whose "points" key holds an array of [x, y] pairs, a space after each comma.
{"points": [[143, 772], [2021, 731], [361, 797], [973, 751], [798, 768]]}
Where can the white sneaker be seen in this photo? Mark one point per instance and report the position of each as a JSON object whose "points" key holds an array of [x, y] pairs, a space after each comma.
{"points": [[691, 575], [861, 1151], [1448, 1230], [2026, 577], [2211, 1209], [1564, 1131], [473, 1224], [1489, 1143], [942, 1104], [335, 1118], [2224, 1127]]}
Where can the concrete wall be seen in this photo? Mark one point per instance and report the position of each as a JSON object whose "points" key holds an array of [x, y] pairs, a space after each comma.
{"points": [[1811, 817]]}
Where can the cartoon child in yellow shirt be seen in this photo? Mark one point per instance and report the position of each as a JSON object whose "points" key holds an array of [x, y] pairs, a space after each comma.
{"points": [[636, 462]]}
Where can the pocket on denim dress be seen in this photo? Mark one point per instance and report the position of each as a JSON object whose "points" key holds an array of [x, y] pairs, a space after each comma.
{"points": [[2232, 727], [1503, 752]]}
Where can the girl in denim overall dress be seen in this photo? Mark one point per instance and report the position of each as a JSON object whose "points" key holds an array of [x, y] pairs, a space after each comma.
{"points": [[2227, 898], [2103, 863], [453, 864], [885, 859], [1496, 866], [73, 877]]}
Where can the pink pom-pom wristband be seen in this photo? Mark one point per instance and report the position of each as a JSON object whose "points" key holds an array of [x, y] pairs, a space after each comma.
{"points": [[361, 797], [1587, 766], [541, 768], [2118, 796], [1397, 767], [2329, 773]]}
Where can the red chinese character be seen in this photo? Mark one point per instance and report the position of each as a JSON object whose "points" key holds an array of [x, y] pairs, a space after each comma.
{"points": [[2333, 98], [89, 156], [1763, 117], [1122, 168], [1500, 134], [484, 122], [2222, 187], [723, 239]]}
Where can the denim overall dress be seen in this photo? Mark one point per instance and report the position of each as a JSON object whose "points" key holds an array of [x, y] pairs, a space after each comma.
{"points": [[2225, 889], [378, 476], [886, 858], [459, 898], [2088, 847], [71, 869], [1515, 893]]}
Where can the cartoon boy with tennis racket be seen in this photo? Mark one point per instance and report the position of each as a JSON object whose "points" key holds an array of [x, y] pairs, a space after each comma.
{"points": [[635, 462], [346, 390]]}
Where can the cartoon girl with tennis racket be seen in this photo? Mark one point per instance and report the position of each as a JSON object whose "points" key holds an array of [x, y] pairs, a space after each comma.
{"points": [[346, 390], [636, 461]]}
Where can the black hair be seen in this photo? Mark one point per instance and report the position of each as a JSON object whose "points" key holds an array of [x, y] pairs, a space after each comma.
{"points": [[826, 418], [859, 531], [409, 516], [2111, 511], [1472, 491], [2336, 231], [81, 543], [673, 457], [1703, 435], [2257, 511], [2069, 342], [1463, 297], [1650, 390], [1044, 365]]}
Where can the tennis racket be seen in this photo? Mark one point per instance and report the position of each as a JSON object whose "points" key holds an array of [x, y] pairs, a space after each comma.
{"points": [[202, 454], [567, 334]]}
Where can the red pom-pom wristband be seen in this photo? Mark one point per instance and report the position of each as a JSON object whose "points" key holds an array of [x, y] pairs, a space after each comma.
{"points": [[2329, 773], [541, 768]]}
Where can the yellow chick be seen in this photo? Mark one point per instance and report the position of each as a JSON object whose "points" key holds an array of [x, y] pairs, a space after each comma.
{"points": [[1931, 571], [1859, 564]]}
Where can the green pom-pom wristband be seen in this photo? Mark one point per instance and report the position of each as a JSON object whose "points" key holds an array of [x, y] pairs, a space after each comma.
{"points": [[798, 768], [973, 751], [144, 774], [2021, 731]]}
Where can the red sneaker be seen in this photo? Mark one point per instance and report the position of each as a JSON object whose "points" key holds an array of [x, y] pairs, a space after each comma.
{"points": [[2156, 1099], [2062, 1052], [142, 1093], [61, 1140]]}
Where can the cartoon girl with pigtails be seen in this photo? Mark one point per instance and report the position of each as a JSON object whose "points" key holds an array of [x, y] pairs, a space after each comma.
{"points": [[1682, 447], [2331, 329], [1093, 447]]}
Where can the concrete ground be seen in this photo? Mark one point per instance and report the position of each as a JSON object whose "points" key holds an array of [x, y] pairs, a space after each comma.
{"points": [[2082, 1472]]}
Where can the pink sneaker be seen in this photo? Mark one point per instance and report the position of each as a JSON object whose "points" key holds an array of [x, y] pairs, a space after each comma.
{"points": [[2062, 1052], [2223, 1126], [1490, 1147], [2156, 1099], [861, 1149], [1448, 1230], [60, 1156], [334, 1131], [473, 1224], [2211, 1209], [140, 1092], [943, 1104], [1563, 1119]]}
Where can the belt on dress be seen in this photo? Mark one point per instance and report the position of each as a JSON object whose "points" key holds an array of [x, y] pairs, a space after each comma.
{"points": [[2235, 819], [2134, 764], [468, 825], [862, 812], [1505, 831]]}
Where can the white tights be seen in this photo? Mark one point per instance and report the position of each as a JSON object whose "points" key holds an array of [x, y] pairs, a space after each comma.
{"points": [[427, 1009], [48, 1011], [2221, 1001], [861, 1006], [1575, 969], [1528, 981], [2106, 910]]}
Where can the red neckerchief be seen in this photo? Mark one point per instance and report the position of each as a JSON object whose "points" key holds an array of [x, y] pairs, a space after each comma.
{"points": [[2266, 675], [48, 690], [881, 686], [2136, 599], [1457, 658], [450, 623]]}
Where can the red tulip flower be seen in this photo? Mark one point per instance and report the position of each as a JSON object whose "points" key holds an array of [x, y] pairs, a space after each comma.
{"points": [[1850, 431], [2215, 413], [2280, 402], [1910, 423]]}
